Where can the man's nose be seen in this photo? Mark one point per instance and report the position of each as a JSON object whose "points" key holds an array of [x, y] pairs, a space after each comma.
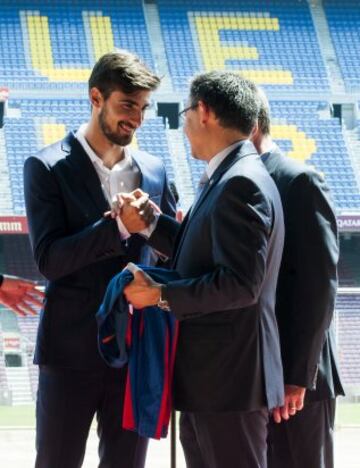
{"points": [[137, 118]]}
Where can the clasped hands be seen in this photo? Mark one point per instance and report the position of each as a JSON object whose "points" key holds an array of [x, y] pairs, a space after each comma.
{"points": [[135, 210]]}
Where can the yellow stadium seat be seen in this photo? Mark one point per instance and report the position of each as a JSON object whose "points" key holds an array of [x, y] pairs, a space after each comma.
{"points": [[52, 132], [303, 147], [41, 49], [215, 54]]}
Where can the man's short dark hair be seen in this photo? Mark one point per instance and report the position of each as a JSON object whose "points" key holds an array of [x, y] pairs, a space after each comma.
{"points": [[231, 97], [124, 71], [264, 113]]}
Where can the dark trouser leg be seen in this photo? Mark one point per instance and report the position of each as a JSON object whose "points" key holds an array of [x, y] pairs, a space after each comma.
{"points": [[189, 442], [117, 448], [225, 440], [305, 440], [66, 404]]}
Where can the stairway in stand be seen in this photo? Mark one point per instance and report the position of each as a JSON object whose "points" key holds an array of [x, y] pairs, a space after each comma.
{"points": [[19, 385]]}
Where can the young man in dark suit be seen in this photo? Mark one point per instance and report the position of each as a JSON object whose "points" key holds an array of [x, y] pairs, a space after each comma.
{"points": [[68, 188], [304, 310], [227, 250]]}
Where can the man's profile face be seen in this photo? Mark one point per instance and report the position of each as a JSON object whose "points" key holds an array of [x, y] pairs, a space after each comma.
{"points": [[121, 114], [193, 132]]}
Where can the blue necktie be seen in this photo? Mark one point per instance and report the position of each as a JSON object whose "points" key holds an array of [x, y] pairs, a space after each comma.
{"points": [[204, 180]]}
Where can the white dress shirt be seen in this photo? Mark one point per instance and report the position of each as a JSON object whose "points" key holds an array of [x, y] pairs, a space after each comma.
{"points": [[211, 167], [272, 148], [216, 160], [124, 176]]}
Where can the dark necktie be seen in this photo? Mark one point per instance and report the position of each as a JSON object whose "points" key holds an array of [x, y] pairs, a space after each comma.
{"points": [[204, 180]]}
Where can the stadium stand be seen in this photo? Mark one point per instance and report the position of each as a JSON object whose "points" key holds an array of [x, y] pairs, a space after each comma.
{"points": [[265, 40], [4, 388], [54, 44], [343, 20], [28, 329], [348, 313], [349, 265], [2, 259], [318, 142]]}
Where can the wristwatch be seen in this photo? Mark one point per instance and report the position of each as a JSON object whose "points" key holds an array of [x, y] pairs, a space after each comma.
{"points": [[163, 303]]}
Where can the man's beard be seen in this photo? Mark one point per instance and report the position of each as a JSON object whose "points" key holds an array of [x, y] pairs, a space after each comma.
{"points": [[116, 138]]}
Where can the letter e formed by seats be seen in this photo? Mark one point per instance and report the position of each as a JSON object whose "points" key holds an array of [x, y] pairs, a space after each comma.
{"points": [[214, 54]]}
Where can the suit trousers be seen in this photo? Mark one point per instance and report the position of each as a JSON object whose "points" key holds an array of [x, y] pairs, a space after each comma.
{"points": [[305, 440], [224, 440], [67, 401]]}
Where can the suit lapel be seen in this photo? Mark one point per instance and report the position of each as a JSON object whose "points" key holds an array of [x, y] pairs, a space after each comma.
{"points": [[87, 175], [244, 149], [145, 173], [180, 238]]}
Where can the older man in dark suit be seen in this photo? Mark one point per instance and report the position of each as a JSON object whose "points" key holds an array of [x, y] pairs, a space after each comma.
{"points": [[228, 249], [304, 310], [68, 187]]}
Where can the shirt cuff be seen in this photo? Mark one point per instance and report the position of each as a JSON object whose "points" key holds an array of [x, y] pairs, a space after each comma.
{"points": [[124, 233], [152, 226]]}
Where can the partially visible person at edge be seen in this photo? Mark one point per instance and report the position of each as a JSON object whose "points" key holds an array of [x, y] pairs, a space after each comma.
{"points": [[304, 309], [20, 295], [68, 188]]}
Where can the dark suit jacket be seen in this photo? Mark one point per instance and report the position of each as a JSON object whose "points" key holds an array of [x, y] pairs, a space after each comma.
{"points": [[76, 249], [228, 253], [308, 278]]}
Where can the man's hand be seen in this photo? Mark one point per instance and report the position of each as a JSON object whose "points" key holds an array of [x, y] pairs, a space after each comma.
{"points": [[294, 401], [20, 295], [143, 291], [135, 209], [179, 215]]}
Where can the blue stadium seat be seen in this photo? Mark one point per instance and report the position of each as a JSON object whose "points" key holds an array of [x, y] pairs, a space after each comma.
{"points": [[70, 45], [343, 18], [293, 47]]}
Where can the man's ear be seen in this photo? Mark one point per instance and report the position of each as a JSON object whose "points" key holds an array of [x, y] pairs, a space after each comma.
{"points": [[254, 135], [96, 98], [204, 112]]}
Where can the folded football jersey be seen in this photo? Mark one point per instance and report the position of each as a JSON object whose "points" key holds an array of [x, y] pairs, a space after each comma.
{"points": [[146, 341]]}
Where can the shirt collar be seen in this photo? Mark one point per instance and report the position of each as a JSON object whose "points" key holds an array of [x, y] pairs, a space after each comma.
{"points": [[216, 160], [266, 153], [80, 135]]}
